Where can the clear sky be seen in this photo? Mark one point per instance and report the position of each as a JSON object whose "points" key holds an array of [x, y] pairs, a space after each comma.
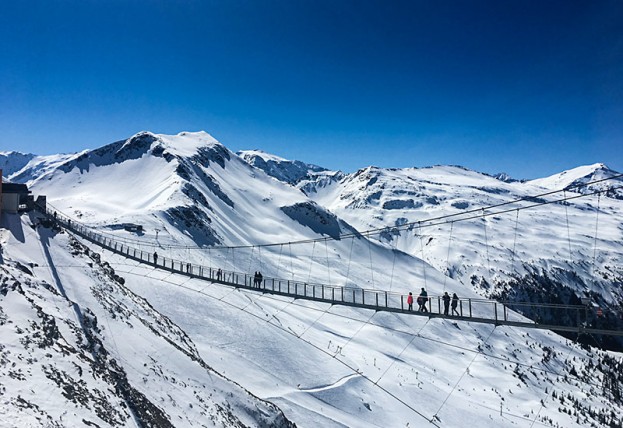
{"points": [[525, 87]]}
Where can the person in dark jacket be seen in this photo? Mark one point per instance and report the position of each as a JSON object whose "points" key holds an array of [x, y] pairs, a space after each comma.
{"points": [[155, 258], [410, 301], [455, 302], [446, 303], [422, 299]]}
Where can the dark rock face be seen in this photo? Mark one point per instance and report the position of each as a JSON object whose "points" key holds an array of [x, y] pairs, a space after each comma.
{"points": [[216, 153], [117, 152], [12, 162], [401, 204], [194, 222], [192, 170], [315, 217], [291, 172]]}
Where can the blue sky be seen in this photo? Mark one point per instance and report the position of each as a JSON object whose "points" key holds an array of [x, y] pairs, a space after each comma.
{"points": [[524, 87]]}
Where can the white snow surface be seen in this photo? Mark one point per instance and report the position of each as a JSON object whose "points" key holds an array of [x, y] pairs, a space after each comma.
{"points": [[203, 354]]}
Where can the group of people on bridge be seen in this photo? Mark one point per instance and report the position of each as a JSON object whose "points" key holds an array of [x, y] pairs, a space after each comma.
{"points": [[257, 279], [423, 299]]}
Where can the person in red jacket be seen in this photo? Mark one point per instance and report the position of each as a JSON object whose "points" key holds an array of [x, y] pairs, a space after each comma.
{"points": [[410, 301]]}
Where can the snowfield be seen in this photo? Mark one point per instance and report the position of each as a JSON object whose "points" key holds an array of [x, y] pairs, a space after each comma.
{"points": [[91, 338]]}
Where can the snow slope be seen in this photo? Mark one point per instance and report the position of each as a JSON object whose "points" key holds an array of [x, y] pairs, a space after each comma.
{"points": [[321, 365], [114, 343], [79, 348]]}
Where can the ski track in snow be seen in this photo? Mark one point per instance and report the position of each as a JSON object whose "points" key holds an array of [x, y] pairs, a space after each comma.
{"points": [[336, 384]]}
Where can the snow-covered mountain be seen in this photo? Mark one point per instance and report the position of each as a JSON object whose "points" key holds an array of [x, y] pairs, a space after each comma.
{"points": [[11, 162], [291, 172], [576, 180], [498, 254], [557, 252], [307, 177], [137, 346]]}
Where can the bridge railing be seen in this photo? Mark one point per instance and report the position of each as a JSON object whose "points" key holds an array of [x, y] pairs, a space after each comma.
{"points": [[481, 309]]}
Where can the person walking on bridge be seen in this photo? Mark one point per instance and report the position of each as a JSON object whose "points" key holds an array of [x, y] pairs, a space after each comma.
{"points": [[422, 299], [155, 258], [446, 303], [410, 301], [455, 302]]}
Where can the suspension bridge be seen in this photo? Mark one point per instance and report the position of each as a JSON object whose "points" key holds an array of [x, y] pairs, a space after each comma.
{"points": [[578, 319]]}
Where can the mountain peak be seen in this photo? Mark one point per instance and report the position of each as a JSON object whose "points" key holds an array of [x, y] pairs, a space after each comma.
{"points": [[12, 162], [579, 175], [289, 171]]}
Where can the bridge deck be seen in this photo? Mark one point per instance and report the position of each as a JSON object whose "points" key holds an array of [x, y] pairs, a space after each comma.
{"points": [[472, 310]]}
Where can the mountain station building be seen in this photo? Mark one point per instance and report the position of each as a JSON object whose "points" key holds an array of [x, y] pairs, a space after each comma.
{"points": [[14, 197]]}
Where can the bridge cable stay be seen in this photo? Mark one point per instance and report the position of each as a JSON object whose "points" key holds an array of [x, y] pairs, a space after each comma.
{"points": [[371, 264], [595, 239], [595, 254], [350, 254], [334, 356], [233, 262], [568, 231], [259, 257], [394, 251], [369, 322], [432, 340], [311, 262], [279, 260], [291, 261], [513, 255], [251, 259], [326, 248], [448, 257], [547, 396], [422, 251], [484, 222], [410, 333], [462, 375], [397, 358]]}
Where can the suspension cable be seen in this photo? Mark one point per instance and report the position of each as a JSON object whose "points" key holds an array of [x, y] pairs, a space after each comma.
{"points": [[484, 222], [422, 259], [311, 262], [352, 242], [326, 247], [595, 241], [568, 232], [462, 216], [515, 243], [448, 258]]}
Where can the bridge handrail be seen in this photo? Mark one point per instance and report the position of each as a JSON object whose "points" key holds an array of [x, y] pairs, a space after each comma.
{"points": [[467, 308]]}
